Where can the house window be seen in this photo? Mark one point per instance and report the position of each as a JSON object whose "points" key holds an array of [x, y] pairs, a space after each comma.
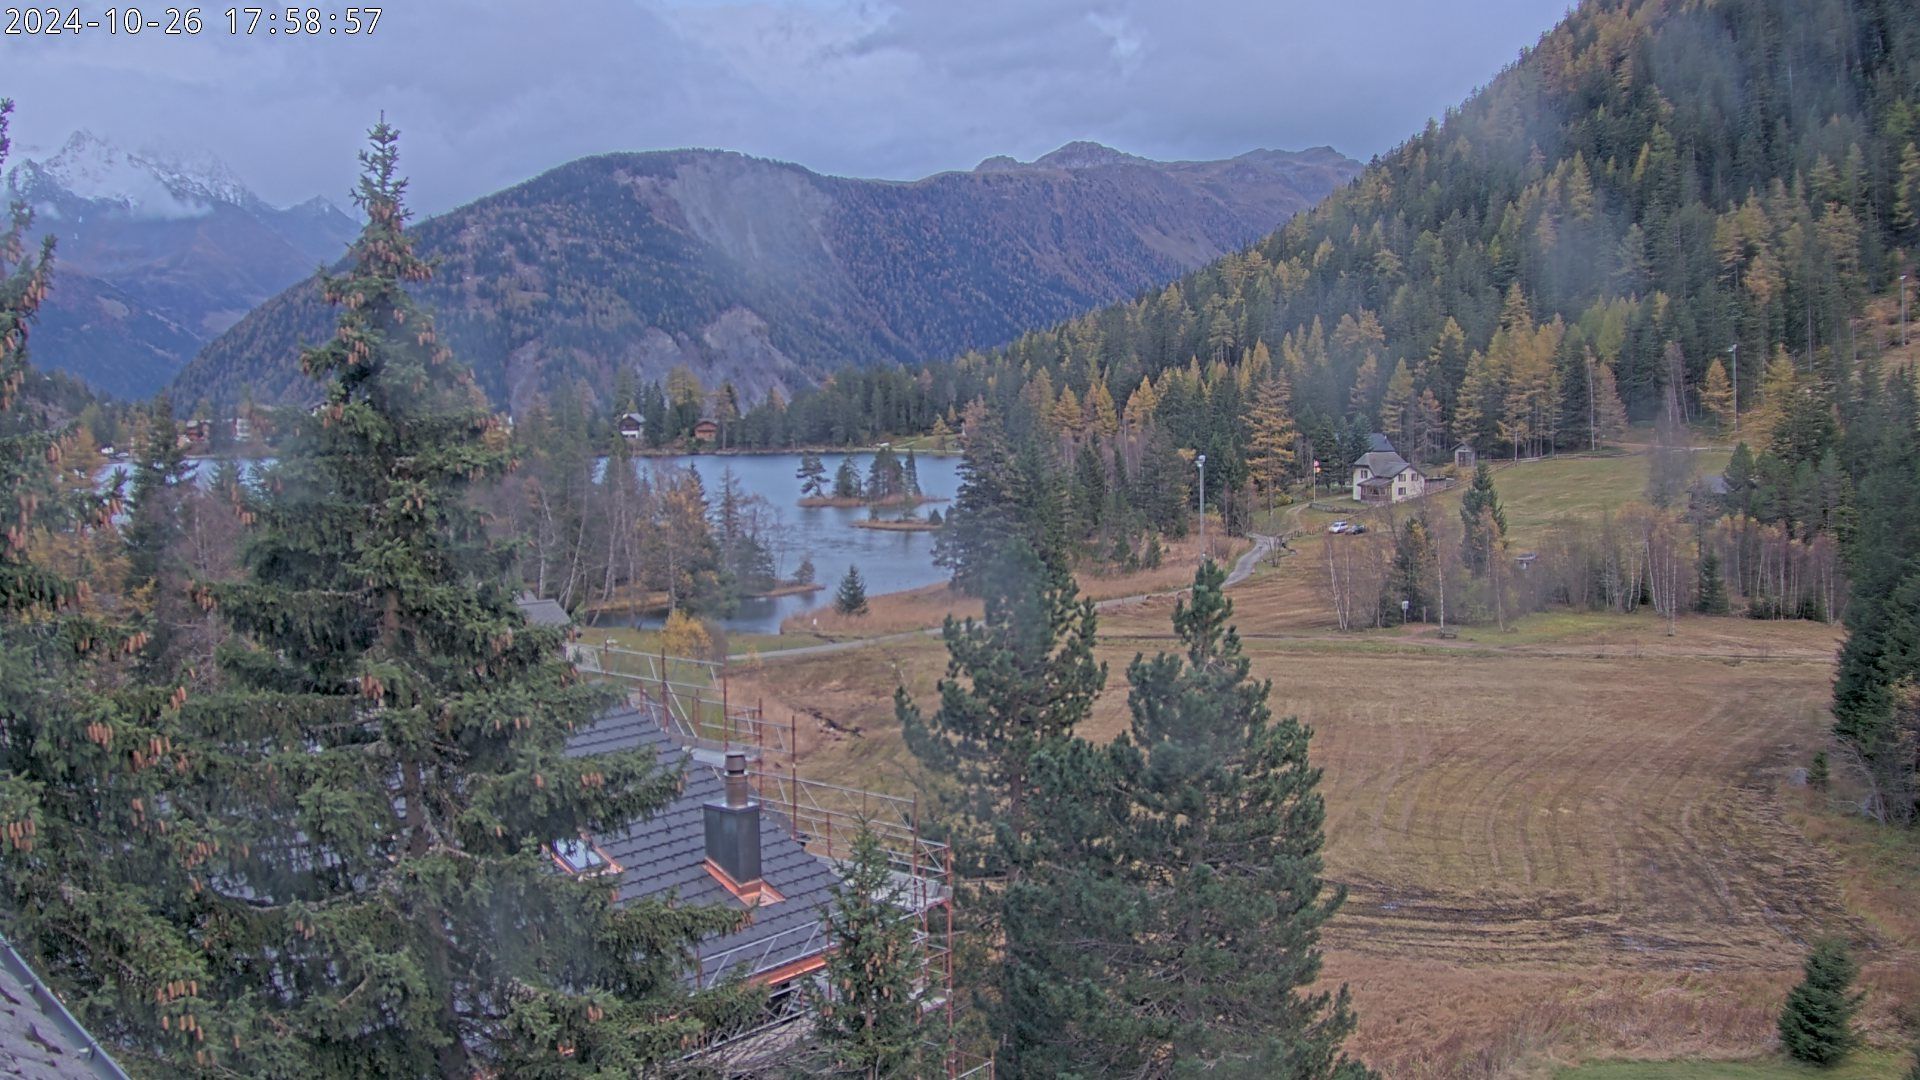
{"points": [[581, 858]]}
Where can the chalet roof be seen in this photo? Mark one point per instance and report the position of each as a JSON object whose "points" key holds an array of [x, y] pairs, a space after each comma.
{"points": [[666, 853], [1380, 482], [39, 1038], [1378, 443], [1381, 463], [541, 611]]}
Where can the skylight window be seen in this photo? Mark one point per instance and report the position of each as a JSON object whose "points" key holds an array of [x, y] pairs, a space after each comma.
{"points": [[580, 857]]}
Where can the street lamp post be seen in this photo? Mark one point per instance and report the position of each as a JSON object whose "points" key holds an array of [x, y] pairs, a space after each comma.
{"points": [[1202, 462]]}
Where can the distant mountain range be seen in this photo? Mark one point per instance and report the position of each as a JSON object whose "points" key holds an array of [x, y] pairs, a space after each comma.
{"points": [[773, 276], [156, 257]]}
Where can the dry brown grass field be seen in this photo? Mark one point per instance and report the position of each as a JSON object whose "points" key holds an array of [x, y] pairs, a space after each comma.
{"points": [[915, 609], [1579, 840]]}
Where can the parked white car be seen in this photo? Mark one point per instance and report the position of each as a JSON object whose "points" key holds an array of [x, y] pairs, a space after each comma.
{"points": [[1339, 527]]}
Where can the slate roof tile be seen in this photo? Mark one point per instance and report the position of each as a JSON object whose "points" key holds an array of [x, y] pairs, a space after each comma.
{"points": [[39, 1039], [666, 853]]}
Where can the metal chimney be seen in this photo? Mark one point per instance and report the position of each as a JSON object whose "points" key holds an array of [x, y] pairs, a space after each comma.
{"points": [[733, 827]]}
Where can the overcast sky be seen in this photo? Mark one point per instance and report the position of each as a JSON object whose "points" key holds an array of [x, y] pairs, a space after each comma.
{"points": [[490, 92]]}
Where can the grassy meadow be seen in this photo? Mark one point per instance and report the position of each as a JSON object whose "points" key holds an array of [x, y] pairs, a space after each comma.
{"points": [[1575, 849]]}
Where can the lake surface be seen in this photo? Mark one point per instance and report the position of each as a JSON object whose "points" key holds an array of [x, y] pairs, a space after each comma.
{"points": [[889, 561]]}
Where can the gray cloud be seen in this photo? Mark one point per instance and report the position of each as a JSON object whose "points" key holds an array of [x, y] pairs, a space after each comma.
{"points": [[489, 92]]}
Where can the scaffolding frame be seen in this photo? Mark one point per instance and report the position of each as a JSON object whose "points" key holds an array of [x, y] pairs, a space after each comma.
{"points": [[693, 702], [691, 699], [826, 819]]}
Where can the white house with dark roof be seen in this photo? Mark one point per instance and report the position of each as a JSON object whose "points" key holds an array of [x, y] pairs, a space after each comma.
{"points": [[1382, 476]]}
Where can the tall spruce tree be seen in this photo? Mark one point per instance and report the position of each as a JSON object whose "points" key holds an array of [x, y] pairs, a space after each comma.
{"points": [[94, 886], [982, 515], [1710, 592], [1226, 833], [851, 597], [1019, 681], [868, 1024], [376, 880], [1883, 621], [161, 476], [1816, 1023], [1410, 575], [1069, 921], [846, 480], [1482, 521], [1019, 678], [911, 475]]}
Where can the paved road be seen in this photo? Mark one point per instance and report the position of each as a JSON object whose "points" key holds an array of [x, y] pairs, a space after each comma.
{"points": [[1242, 570], [841, 646]]}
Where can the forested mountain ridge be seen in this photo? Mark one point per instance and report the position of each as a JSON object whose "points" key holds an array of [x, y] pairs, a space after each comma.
{"points": [[157, 256], [1693, 173], [772, 276]]}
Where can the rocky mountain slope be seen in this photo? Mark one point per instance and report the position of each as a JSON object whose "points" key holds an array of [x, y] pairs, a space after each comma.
{"points": [[774, 276], [156, 257]]}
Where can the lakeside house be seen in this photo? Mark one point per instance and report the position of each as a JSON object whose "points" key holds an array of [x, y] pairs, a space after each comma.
{"points": [[1382, 476], [706, 431], [632, 425], [197, 436]]}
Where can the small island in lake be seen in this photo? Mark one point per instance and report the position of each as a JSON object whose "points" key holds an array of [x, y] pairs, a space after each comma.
{"points": [[892, 482], [910, 524]]}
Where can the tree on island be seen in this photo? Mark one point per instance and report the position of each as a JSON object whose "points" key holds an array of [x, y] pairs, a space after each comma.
{"points": [[813, 476], [852, 597], [846, 480], [804, 573]]}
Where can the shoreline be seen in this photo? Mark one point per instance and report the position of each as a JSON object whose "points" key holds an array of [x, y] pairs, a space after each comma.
{"points": [[883, 525], [855, 502], [794, 451], [658, 601]]}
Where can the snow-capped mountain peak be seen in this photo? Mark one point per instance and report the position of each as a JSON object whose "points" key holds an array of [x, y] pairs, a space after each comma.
{"points": [[141, 184]]}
